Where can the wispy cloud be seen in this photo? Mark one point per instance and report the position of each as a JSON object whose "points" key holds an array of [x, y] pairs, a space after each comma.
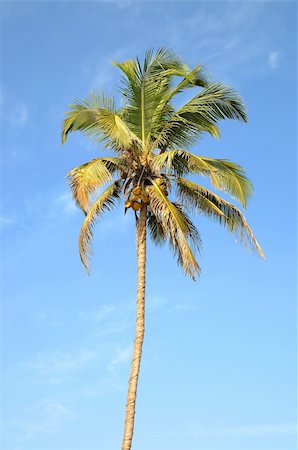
{"points": [[52, 415], [122, 356], [104, 75], [19, 115], [65, 203], [56, 368], [249, 431], [239, 431], [273, 60], [102, 313], [4, 221], [45, 318], [227, 38], [155, 302]]}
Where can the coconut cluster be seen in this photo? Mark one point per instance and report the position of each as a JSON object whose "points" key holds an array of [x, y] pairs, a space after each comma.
{"points": [[137, 197], [140, 195]]}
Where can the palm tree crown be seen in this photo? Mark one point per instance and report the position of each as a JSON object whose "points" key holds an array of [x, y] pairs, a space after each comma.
{"points": [[151, 138]]}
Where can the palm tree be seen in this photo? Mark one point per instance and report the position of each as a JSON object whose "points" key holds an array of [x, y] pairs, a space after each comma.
{"points": [[150, 137]]}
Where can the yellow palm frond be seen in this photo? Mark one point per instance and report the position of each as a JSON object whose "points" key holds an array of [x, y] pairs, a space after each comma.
{"points": [[177, 227], [224, 175], [87, 178], [98, 118], [198, 198], [105, 201]]}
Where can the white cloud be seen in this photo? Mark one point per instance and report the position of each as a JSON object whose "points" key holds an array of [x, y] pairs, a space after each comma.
{"points": [[273, 60], [5, 221], [122, 356], [19, 115], [227, 39], [65, 203], [155, 302], [245, 431], [45, 318], [104, 74], [116, 220], [51, 416], [56, 368], [100, 314]]}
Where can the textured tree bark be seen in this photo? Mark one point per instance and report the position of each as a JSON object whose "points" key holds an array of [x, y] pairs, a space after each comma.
{"points": [[140, 328]]}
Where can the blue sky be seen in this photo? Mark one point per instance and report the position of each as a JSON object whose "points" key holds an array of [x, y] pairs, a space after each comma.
{"points": [[218, 368]]}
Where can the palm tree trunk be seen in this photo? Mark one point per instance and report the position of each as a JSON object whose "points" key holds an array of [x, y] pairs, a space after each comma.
{"points": [[140, 328]]}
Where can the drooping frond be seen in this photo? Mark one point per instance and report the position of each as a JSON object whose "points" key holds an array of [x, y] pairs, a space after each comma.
{"points": [[224, 175], [97, 117], [87, 178], [157, 232], [105, 201], [201, 114], [203, 200], [177, 227]]}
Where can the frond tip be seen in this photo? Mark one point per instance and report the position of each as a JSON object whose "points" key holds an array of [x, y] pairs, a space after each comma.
{"points": [[206, 202], [173, 223], [104, 202]]}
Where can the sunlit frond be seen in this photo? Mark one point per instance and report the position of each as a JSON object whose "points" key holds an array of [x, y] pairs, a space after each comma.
{"points": [[98, 118], [224, 175], [87, 178], [201, 114], [201, 199], [105, 201], [190, 78], [177, 227], [145, 88]]}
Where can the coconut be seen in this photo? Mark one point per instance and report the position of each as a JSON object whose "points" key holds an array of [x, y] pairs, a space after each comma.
{"points": [[134, 197], [136, 206], [128, 204], [158, 180], [144, 198], [137, 190]]}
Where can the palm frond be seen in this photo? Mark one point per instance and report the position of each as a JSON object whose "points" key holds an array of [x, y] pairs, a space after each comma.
{"points": [[105, 201], [89, 177], [145, 87], [157, 232], [97, 117], [201, 114], [177, 227], [203, 200], [224, 175], [191, 78]]}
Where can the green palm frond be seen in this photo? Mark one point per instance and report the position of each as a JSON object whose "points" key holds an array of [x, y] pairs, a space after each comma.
{"points": [[97, 117], [105, 201], [89, 177], [224, 175], [201, 114], [177, 227], [201, 199], [191, 78], [145, 88]]}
